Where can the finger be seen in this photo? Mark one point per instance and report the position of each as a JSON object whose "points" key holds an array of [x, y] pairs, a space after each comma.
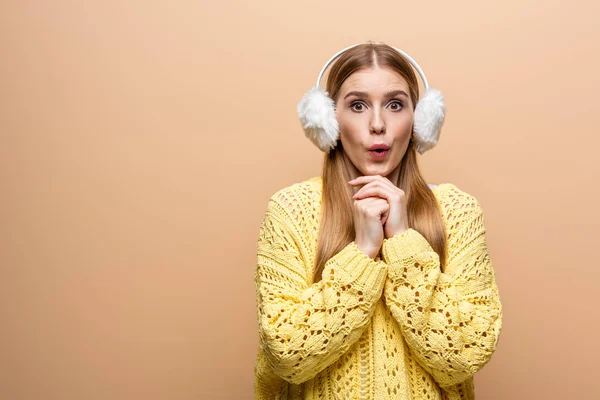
{"points": [[373, 202], [384, 216], [373, 190], [372, 183], [373, 205], [372, 179], [369, 178]]}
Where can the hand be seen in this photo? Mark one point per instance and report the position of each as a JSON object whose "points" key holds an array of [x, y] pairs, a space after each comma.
{"points": [[367, 214], [395, 220]]}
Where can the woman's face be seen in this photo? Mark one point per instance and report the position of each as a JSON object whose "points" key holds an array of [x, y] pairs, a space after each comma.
{"points": [[373, 107]]}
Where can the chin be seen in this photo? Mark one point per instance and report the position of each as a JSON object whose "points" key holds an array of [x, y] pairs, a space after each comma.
{"points": [[383, 171]]}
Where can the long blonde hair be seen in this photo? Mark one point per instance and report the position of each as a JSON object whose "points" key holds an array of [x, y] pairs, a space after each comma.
{"points": [[336, 229]]}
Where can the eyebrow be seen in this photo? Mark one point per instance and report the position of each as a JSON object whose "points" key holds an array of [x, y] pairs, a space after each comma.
{"points": [[389, 94]]}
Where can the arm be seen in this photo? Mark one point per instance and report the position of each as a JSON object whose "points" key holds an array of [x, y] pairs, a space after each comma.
{"points": [[305, 328], [451, 319]]}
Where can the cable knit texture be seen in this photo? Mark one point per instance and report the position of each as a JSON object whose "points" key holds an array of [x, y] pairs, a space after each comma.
{"points": [[393, 327]]}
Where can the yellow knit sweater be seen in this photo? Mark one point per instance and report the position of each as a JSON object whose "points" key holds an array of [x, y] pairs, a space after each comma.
{"points": [[393, 327]]}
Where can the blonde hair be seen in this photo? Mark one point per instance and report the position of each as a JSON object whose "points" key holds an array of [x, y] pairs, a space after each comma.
{"points": [[336, 229]]}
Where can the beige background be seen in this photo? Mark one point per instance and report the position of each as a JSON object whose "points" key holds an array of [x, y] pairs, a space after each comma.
{"points": [[140, 142]]}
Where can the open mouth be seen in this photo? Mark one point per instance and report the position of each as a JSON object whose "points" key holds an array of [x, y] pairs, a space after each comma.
{"points": [[379, 154]]}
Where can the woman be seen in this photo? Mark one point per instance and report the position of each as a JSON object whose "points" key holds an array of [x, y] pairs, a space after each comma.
{"points": [[372, 284]]}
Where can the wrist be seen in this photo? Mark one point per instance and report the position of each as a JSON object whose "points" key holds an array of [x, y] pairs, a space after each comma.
{"points": [[371, 252], [397, 233]]}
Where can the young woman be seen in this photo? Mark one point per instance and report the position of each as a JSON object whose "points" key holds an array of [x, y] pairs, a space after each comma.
{"points": [[372, 284]]}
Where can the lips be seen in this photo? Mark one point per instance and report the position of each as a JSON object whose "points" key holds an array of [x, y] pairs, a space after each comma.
{"points": [[379, 147], [379, 154]]}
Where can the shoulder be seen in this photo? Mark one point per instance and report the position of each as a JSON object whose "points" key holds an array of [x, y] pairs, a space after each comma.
{"points": [[298, 202], [308, 190], [452, 193], [456, 203]]}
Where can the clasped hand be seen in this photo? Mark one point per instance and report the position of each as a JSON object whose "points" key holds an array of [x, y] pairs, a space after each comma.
{"points": [[395, 220]]}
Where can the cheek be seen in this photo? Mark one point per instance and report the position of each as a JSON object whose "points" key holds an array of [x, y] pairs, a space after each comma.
{"points": [[349, 128], [403, 127]]}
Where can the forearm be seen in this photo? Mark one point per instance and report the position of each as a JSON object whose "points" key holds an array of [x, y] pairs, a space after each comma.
{"points": [[451, 321], [305, 329]]}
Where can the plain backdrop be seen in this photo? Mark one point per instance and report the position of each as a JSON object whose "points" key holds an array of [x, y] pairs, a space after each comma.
{"points": [[140, 142]]}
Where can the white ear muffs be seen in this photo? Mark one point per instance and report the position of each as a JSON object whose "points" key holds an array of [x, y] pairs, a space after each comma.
{"points": [[317, 113]]}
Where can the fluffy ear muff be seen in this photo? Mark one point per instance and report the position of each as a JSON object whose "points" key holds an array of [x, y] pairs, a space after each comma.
{"points": [[429, 117], [317, 115]]}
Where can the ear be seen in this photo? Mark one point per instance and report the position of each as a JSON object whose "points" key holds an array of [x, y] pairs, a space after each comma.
{"points": [[317, 114]]}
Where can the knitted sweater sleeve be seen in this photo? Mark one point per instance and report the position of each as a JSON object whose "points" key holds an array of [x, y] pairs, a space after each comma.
{"points": [[303, 327], [451, 319]]}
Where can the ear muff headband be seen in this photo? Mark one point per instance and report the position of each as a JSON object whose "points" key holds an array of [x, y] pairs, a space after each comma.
{"points": [[409, 58], [317, 112]]}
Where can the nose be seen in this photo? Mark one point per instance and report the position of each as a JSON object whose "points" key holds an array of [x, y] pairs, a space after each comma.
{"points": [[377, 123]]}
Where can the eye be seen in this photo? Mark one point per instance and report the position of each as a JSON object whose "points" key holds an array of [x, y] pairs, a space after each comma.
{"points": [[400, 105], [356, 103]]}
